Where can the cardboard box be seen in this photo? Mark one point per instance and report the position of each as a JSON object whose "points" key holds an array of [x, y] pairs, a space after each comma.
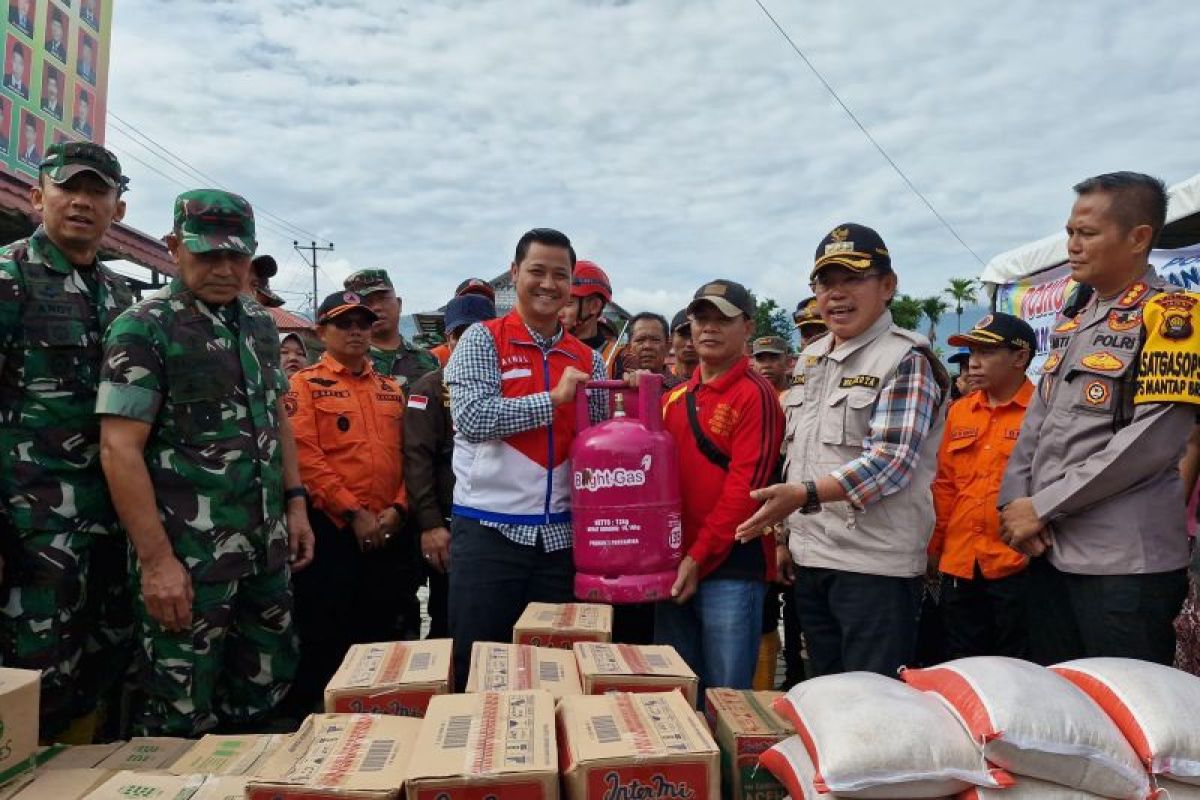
{"points": [[19, 695], [517, 667], [498, 745], [746, 727], [634, 668], [227, 755], [361, 756], [82, 756], [222, 787], [63, 784], [146, 786], [563, 624], [636, 745], [396, 678], [146, 754]]}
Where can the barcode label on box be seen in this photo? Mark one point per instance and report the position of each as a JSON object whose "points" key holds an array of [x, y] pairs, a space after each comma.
{"points": [[421, 661], [550, 672], [656, 660], [606, 730], [377, 755], [458, 729]]}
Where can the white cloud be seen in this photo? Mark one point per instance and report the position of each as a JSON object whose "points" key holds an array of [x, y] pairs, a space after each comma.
{"points": [[673, 140]]}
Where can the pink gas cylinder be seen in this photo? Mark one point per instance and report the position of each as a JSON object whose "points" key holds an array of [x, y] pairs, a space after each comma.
{"points": [[625, 502]]}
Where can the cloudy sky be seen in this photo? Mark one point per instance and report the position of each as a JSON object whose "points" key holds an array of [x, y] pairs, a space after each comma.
{"points": [[673, 140]]}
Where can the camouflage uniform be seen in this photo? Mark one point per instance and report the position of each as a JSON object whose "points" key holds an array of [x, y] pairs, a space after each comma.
{"points": [[208, 380], [406, 363], [64, 608], [402, 561]]}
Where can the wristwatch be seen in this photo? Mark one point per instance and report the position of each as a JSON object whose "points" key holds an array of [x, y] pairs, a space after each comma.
{"points": [[812, 503], [294, 492]]}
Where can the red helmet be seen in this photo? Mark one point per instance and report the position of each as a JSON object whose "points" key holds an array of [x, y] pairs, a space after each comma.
{"points": [[588, 279]]}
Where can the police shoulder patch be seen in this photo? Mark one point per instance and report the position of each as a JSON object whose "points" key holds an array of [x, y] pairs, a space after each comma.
{"points": [[867, 381], [1051, 363], [1096, 393], [1067, 326], [1169, 365], [1133, 295]]}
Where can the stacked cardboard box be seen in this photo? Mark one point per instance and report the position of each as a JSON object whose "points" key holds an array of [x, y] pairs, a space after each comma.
{"points": [[515, 667], [498, 745], [746, 727], [634, 668], [227, 755], [361, 756], [636, 745], [396, 678], [19, 706], [563, 624]]}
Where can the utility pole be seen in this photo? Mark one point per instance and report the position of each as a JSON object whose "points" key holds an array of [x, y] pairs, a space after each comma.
{"points": [[312, 248]]}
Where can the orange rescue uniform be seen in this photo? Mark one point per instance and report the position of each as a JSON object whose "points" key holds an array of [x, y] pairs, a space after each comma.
{"points": [[349, 433], [971, 461]]}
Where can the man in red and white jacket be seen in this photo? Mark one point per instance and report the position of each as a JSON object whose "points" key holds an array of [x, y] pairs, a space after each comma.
{"points": [[512, 383], [728, 426]]}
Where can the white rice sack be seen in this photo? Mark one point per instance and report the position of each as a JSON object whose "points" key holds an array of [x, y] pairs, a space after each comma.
{"points": [[1174, 790], [873, 737], [788, 761], [1156, 707], [1033, 722], [1028, 789]]}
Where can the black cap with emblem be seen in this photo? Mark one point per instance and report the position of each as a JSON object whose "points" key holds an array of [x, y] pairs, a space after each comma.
{"points": [[997, 330], [854, 247]]}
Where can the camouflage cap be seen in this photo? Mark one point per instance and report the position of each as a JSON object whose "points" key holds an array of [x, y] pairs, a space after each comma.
{"points": [[213, 219], [65, 160], [770, 344], [366, 281]]}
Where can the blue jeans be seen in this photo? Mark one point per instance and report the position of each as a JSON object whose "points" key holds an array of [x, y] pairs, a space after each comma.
{"points": [[717, 632]]}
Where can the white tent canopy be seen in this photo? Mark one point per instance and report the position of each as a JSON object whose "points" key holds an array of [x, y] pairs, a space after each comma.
{"points": [[1045, 253]]}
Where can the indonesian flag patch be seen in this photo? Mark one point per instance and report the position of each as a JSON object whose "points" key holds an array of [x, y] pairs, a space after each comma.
{"points": [[418, 401]]}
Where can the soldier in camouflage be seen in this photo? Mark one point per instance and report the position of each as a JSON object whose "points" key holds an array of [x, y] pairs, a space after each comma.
{"points": [[391, 354], [63, 605], [399, 565], [197, 452]]}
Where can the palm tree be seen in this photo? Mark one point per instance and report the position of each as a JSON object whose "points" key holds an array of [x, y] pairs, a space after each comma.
{"points": [[933, 308], [962, 292], [906, 311]]}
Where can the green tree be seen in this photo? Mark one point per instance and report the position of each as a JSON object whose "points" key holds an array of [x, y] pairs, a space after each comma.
{"points": [[933, 308], [771, 320], [906, 311], [962, 292]]}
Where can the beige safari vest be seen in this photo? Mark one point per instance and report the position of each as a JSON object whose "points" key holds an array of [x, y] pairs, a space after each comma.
{"points": [[829, 409]]}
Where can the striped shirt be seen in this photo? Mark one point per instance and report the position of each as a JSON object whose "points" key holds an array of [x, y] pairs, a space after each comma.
{"points": [[481, 413], [903, 416]]}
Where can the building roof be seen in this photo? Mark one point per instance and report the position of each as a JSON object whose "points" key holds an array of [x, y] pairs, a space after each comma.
{"points": [[18, 220]]}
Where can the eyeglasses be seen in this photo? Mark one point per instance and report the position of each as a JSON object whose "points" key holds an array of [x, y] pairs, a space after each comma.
{"points": [[356, 322], [848, 282]]}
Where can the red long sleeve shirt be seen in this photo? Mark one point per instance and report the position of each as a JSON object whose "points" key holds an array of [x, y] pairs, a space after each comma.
{"points": [[740, 413]]}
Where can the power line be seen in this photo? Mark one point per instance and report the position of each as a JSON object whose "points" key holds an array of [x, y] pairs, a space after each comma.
{"points": [[865, 132], [268, 225], [205, 177]]}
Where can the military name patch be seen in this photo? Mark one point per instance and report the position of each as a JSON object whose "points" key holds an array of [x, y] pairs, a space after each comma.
{"points": [[1096, 393], [319, 393], [1012, 433], [389, 397], [1113, 340], [868, 381], [1103, 361], [963, 433], [798, 380]]}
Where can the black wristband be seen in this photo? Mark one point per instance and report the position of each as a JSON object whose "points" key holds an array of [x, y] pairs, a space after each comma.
{"points": [[294, 492], [812, 503]]}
